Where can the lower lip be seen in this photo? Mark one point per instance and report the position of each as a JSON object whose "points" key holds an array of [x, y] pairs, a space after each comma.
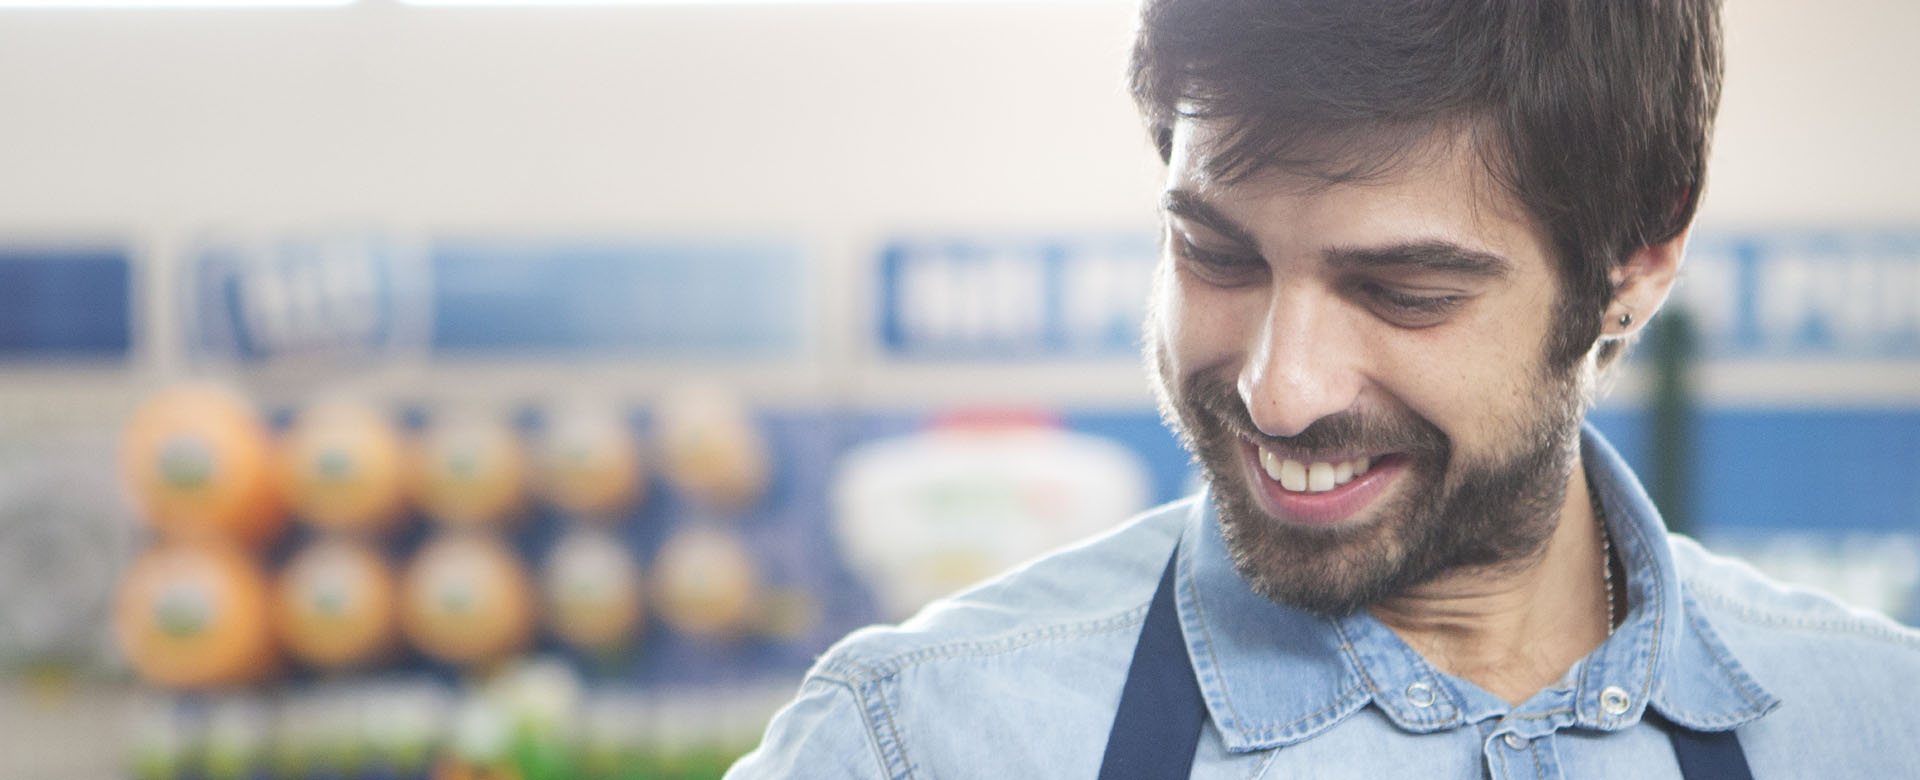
{"points": [[1326, 509]]}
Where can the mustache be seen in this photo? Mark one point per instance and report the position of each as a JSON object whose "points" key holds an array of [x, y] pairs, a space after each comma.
{"points": [[1331, 436]]}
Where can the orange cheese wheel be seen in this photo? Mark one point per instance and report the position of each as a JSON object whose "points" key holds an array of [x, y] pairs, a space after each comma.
{"points": [[334, 604], [590, 464], [198, 460], [706, 584], [466, 600], [592, 591], [710, 448], [342, 465], [193, 614], [470, 473]]}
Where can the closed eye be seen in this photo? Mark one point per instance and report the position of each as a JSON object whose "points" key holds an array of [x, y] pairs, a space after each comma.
{"points": [[1225, 269], [1408, 309]]}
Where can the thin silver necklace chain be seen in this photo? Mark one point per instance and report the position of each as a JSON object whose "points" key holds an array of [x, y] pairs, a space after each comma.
{"points": [[1606, 558]]}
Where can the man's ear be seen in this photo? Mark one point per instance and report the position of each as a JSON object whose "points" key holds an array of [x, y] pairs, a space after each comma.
{"points": [[1640, 286]]}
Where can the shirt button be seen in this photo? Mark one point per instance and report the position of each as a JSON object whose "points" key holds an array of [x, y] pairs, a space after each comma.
{"points": [[1515, 741], [1614, 700], [1420, 694]]}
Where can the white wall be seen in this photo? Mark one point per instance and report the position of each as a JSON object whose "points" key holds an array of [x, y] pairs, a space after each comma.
{"points": [[1819, 120], [838, 116], [818, 116]]}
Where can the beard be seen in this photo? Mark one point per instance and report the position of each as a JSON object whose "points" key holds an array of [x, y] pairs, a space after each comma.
{"points": [[1452, 511]]}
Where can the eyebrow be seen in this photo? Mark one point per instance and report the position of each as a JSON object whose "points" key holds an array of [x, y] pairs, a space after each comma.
{"points": [[1187, 205], [1434, 255], [1431, 255]]}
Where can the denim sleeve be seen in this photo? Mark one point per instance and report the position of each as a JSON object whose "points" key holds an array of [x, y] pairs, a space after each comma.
{"points": [[821, 734]]}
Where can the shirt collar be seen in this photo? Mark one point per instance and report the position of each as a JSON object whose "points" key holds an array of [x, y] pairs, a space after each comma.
{"points": [[1693, 678], [1274, 676]]}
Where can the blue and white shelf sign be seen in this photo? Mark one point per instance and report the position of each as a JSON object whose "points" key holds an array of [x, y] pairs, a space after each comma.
{"points": [[322, 296], [1014, 298], [710, 299], [61, 302], [1845, 293], [1805, 294]]}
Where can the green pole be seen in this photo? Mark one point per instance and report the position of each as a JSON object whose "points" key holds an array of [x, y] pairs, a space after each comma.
{"points": [[1671, 420]]}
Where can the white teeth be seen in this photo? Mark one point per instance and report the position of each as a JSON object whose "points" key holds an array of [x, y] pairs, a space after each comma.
{"points": [[1271, 463], [1316, 477], [1293, 476], [1319, 478]]}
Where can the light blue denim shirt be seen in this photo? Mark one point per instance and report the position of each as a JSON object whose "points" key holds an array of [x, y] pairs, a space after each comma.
{"points": [[1020, 677]]}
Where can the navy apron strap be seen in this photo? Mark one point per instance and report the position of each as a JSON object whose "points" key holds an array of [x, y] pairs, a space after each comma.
{"points": [[1161, 711], [1708, 755]]}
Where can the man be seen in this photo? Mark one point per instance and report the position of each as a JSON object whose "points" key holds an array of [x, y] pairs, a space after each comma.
{"points": [[1404, 242]]}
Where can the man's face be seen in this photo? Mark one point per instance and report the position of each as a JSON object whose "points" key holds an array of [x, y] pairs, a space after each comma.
{"points": [[1359, 368]]}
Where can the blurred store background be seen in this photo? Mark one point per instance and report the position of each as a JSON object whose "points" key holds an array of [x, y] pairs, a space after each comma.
{"points": [[422, 390]]}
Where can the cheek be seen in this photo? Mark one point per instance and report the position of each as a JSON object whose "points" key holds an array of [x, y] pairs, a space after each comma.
{"points": [[1477, 380], [1203, 328]]}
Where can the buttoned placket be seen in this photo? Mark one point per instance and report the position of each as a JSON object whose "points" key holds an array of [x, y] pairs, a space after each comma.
{"points": [[1522, 745], [1515, 742]]}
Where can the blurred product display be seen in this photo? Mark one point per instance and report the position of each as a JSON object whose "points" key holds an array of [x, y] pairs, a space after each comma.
{"points": [[924, 515], [194, 614], [593, 591], [343, 465], [198, 462], [471, 471], [465, 599], [589, 463], [334, 605], [710, 449], [707, 584], [65, 538], [395, 637], [236, 738]]}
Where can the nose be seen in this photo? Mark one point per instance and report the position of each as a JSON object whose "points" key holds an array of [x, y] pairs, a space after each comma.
{"points": [[1301, 366]]}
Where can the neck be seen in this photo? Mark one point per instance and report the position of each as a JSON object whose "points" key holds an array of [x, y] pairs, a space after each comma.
{"points": [[1514, 629]]}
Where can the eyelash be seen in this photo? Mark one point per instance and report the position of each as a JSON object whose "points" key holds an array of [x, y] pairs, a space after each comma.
{"points": [[1216, 264], [1232, 270], [1425, 305]]}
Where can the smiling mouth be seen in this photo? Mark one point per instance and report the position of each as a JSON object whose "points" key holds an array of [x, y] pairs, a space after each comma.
{"points": [[1319, 489], [1296, 476]]}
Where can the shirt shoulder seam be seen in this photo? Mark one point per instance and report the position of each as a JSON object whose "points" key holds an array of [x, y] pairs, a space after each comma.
{"points": [[1738, 679], [855, 669], [1853, 626], [867, 680], [882, 736]]}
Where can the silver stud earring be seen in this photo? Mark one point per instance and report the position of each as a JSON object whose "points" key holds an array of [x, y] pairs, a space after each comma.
{"points": [[1626, 319]]}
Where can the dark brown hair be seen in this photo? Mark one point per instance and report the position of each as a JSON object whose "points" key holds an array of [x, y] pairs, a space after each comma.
{"points": [[1594, 114]]}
